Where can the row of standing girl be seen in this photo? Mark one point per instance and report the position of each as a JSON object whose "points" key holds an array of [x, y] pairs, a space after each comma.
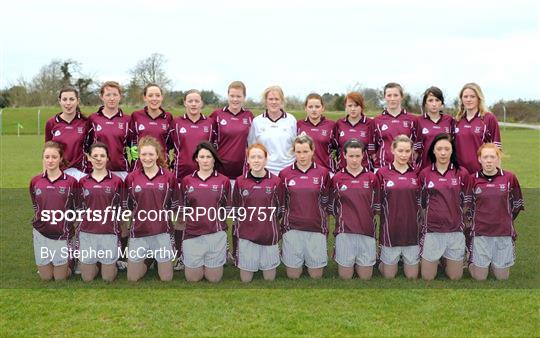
{"points": [[422, 215]]}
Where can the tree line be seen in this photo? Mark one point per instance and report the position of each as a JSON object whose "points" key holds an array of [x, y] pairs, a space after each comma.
{"points": [[42, 90]]}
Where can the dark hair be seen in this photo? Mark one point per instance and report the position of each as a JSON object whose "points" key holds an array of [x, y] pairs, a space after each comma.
{"points": [[69, 89], [393, 85], [98, 145], [435, 91], [453, 156], [314, 96], [208, 146], [55, 145], [353, 143], [145, 89]]}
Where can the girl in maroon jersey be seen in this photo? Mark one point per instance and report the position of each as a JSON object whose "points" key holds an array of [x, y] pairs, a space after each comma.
{"points": [[432, 123], [495, 201], [355, 125], [258, 199], [52, 191], [151, 188], [474, 126], [443, 199], [320, 129], [305, 221], [70, 129], [100, 190], [153, 121], [400, 201], [393, 121], [205, 200]]}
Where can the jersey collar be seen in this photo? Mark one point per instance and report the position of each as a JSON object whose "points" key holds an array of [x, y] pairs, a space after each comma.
{"points": [[362, 120], [162, 115], [312, 166], [119, 113], [59, 119], [283, 115]]}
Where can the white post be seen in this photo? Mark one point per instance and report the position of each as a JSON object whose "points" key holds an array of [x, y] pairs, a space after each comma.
{"points": [[39, 122]]}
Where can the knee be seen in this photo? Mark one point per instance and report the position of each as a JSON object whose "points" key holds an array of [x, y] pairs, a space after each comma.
{"points": [[46, 276], [87, 277]]}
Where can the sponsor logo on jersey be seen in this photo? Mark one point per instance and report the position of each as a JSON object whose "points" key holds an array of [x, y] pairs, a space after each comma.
{"points": [[245, 192], [502, 187], [389, 184], [405, 124], [384, 127], [86, 192], [205, 129], [315, 180], [363, 133], [291, 183], [161, 186], [430, 184], [62, 190], [79, 130], [98, 127], [182, 130], [478, 191], [108, 190], [343, 188], [477, 130], [37, 192], [120, 125], [456, 130], [303, 177], [366, 184], [324, 132], [138, 188], [57, 133], [245, 121], [141, 127], [214, 187], [164, 126], [190, 189], [268, 190], [455, 181], [413, 181], [447, 130], [223, 122], [341, 133], [425, 131]]}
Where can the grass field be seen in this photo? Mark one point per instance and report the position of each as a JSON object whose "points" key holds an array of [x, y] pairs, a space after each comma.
{"points": [[326, 307]]}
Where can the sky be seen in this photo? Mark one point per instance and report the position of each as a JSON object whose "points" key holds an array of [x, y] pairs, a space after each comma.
{"points": [[303, 46]]}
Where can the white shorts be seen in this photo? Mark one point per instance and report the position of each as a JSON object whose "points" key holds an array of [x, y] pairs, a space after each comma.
{"points": [[47, 251], [450, 245], [206, 250], [121, 174], [157, 246], [356, 249], [95, 248], [75, 173], [254, 257], [391, 255], [497, 251], [304, 247]]}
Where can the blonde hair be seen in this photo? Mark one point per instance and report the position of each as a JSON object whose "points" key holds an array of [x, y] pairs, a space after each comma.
{"points": [[481, 100], [153, 142], [110, 84], [276, 89], [303, 138], [401, 138], [493, 146], [237, 85]]}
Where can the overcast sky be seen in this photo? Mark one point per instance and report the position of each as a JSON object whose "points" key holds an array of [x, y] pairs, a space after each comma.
{"points": [[304, 46]]}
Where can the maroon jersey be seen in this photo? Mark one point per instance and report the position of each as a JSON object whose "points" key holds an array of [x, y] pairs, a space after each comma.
{"points": [[443, 198], [115, 133], [47, 196], [323, 139], [98, 195], [261, 200], [387, 128], [426, 132], [230, 133], [363, 131], [494, 202], [72, 136], [142, 124], [306, 198], [354, 201], [212, 196], [185, 136], [470, 135], [400, 202], [155, 195]]}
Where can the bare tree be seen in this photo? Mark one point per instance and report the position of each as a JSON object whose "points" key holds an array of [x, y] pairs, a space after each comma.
{"points": [[150, 70]]}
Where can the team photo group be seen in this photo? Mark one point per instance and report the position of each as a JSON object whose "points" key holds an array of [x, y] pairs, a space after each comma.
{"points": [[422, 191]]}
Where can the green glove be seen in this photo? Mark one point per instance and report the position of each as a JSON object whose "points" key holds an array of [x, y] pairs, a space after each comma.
{"points": [[134, 153]]}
